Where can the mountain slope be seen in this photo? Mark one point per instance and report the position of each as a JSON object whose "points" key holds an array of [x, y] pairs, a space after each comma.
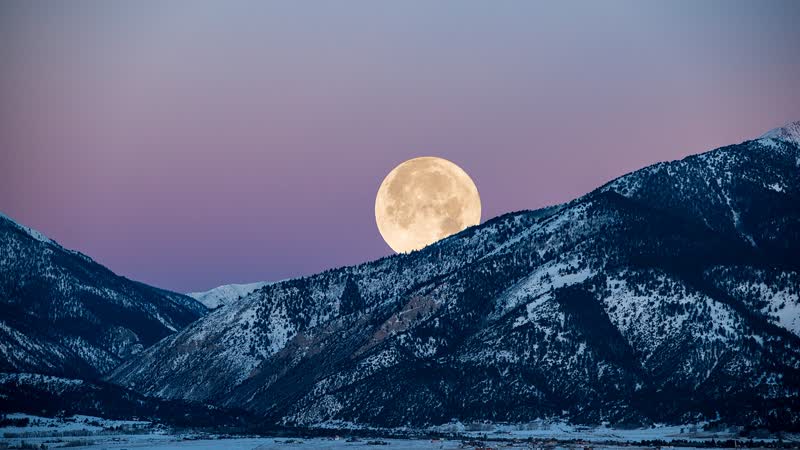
{"points": [[47, 395], [66, 315], [668, 294], [787, 133], [222, 295]]}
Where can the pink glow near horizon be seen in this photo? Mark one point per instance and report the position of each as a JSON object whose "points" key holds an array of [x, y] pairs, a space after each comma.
{"points": [[191, 144]]}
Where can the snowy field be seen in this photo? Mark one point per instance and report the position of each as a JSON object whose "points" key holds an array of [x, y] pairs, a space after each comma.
{"points": [[566, 432], [168, 442], [96, 433]]}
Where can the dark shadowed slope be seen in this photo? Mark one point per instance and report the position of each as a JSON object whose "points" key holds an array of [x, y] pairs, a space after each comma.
{"points": [[63, 314], [47, 395]]}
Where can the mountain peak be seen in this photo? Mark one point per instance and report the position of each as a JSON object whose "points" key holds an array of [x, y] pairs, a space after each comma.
{"points": [[789, 133], [222, 295]]}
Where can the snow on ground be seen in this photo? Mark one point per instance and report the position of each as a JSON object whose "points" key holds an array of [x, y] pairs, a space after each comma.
{"points": [[565, 432], [789, 132], [222, 295], [172, 442], [96, 433], [68, 425], [150, 442], [33, 233]]}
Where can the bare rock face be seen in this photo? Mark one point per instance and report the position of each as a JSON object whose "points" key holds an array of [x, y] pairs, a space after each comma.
{"points": [[670, 294]]}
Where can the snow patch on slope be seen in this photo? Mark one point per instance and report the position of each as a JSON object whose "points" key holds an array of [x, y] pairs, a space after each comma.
{"points": [[30, 231], [223, 295], [775, 294], [544, 279], [789, 133]]}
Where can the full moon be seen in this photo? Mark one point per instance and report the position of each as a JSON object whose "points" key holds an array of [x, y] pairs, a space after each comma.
{"points": [[424, 200]]}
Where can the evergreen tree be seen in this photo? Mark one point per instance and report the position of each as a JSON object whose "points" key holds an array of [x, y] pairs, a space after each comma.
{"points": [[351, 300]]}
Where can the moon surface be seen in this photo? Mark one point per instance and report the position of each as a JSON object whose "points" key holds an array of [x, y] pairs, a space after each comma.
{"points": [[424, 200]]}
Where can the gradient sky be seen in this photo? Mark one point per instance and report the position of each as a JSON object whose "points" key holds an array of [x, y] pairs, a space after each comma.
{"points": [[189, 144]]}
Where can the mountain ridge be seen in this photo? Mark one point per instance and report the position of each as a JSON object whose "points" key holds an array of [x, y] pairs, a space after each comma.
{"points": [[659, 296], [67, 315], [789, 133], [226, 293]]}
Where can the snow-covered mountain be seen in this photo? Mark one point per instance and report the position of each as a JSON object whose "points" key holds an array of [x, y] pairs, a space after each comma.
{"points": [[223, 295], [64, 314], [669, 294], [787, 133]]}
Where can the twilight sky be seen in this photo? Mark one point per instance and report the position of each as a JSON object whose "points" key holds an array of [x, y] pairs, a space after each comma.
{"points": [[189, 144]]}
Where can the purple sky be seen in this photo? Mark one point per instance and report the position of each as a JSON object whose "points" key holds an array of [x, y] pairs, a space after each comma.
{"points": [[189, 144]]}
